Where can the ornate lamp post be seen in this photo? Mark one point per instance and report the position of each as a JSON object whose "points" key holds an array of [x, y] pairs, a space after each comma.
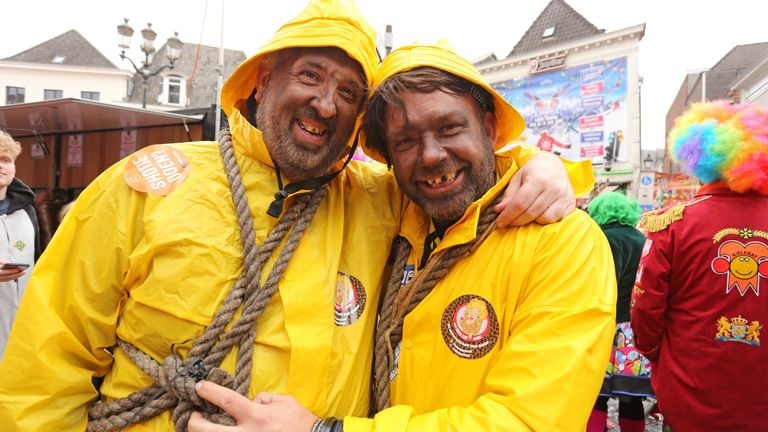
{"points": [[173, 52], [648, 163]]}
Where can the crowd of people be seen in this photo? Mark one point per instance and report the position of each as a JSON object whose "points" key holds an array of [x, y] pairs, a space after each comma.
{"points": [[285, 283]]}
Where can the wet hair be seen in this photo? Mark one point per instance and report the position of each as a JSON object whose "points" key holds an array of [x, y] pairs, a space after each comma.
{"points": [[422, 79], [9, 144], [722, 141], [614, 207]]}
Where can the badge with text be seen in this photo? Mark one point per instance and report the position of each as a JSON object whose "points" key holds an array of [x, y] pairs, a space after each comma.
{"points": [[157, 169], [470, 327], [348, 299]]}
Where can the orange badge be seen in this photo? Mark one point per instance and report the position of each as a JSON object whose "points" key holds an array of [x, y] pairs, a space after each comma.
{"points": [[157, 169]]}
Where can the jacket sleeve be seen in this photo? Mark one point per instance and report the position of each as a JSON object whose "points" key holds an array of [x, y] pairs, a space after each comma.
{"points": [[67, 317], [580, 173], [649, 296], [550, 368]]}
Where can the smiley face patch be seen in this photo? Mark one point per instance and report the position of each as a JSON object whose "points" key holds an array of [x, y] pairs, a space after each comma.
{"points": [[470, 327]]}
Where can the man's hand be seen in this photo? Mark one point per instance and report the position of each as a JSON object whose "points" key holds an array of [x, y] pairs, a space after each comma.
{"points": [[266, 413], [540, 191], [10, 274]]}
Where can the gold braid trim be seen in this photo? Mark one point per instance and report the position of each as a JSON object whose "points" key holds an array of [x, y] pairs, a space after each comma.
{"points": [[655, 222], [658, 222], [745, 233]]}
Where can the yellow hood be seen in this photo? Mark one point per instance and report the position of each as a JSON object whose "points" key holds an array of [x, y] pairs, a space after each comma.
{"points": [[509, 123], [323, 23]]}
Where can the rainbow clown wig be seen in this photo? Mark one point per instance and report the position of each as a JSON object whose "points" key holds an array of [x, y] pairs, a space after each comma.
{"points": [[614, 207], [723, 141]]}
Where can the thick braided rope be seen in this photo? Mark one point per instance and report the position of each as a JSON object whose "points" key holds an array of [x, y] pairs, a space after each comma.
{"points": [[210, 346], [243, 332], [410, 295], [146, 400], [256, 304], [402, 249]]}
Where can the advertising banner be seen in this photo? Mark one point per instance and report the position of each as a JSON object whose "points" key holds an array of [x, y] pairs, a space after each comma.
{"points": [[577, 112]]}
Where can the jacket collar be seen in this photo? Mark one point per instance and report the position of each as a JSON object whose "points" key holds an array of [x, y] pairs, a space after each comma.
{"points": [[249, 140], [19, 195], [720, 188]]}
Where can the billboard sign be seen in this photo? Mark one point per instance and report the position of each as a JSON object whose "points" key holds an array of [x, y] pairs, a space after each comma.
{"points": [[577, 112]]}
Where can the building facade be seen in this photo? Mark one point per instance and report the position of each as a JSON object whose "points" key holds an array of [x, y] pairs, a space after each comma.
{"points": [[67, 66], [578, 88]]}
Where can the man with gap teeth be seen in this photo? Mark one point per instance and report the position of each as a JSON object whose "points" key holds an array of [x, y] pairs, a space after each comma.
{"points": [[257, 264], [481, 328]]}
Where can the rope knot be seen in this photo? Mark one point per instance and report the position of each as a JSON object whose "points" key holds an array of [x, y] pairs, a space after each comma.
{"points": [[179, 377], [183, 387]]}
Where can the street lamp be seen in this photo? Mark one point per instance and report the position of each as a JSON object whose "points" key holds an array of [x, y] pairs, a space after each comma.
{"points": [[173, 51], [648, 162]]}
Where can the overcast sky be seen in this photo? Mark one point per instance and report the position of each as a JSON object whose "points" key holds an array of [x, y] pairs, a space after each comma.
{"points": [[681, 35]]}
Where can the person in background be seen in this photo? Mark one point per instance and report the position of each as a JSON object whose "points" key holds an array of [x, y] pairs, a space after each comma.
{"points": [[19, 235], [465, 341], [628, 374], [48, 205], [254, 262], [699, 306]]}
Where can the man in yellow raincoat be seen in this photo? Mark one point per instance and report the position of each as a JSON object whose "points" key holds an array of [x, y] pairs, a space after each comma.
{"points": [[481, 329], [170, 269]]}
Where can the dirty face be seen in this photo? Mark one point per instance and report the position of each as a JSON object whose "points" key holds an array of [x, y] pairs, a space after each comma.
{"points": [[307, 106], [442, 151]]}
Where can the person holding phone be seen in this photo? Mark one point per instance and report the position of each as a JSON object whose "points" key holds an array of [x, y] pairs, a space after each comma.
{"points": [[19, 235]]}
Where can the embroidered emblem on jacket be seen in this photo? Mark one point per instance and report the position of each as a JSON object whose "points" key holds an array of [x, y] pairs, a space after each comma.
{"points": [[20, 245], [348, 299], [742, 263], [470, 327], [738, 330]]}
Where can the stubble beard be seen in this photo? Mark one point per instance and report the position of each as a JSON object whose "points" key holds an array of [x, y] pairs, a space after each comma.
{"points": [[294, 161], [446, 210]]}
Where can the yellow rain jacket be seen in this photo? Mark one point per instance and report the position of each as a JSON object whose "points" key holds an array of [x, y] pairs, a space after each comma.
{"points": [[153, 270], [516, 335], [513, 338]]}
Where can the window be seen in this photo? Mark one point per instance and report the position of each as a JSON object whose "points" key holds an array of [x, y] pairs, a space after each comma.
{"points": [[58, 59], [14, 95], [89, 95], [174, 91], [49, 94], [548, 32]]}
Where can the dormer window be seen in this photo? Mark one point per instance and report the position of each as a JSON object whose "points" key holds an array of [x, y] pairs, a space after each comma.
{"points": [[174, 90], [58, 59], [549, 33]]}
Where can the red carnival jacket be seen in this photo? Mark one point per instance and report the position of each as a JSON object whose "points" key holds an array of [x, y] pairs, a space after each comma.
{"points": [[698, 308]]}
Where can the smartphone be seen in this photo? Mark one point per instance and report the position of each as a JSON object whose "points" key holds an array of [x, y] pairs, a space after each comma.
{"points": [[14, 266]]}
